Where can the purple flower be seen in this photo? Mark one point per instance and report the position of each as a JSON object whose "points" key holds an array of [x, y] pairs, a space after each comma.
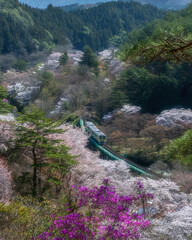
{"points": [[108, 216]]}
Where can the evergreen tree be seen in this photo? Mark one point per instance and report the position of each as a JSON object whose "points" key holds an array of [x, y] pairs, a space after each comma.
{"points": [[139, 86], [47, 155], [90, 59], [63, 59], [169, 39], [51, 26], [164, 46]]}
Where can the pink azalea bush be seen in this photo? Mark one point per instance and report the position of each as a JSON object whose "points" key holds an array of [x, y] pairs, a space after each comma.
{"points": [[6, 101], [104, 215]]}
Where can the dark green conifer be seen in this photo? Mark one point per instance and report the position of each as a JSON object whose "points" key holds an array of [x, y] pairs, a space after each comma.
{"points": [[49, 157], [63, 59], [90, 59]]}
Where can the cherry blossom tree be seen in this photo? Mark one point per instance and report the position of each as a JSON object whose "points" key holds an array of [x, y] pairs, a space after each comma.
{"points": [[5, 182]]}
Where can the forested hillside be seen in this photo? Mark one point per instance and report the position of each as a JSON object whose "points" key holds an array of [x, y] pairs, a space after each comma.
{"points": [[162, 76], [54, 184], [23, 28], [173, 20], [167, 4], [76, 6]]}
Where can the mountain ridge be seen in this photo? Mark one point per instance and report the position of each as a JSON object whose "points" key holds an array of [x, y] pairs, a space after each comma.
{"points": [[166, 4], [25, 28]]}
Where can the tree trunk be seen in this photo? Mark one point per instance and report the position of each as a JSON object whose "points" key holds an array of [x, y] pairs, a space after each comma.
{"points": [[34, 191]]}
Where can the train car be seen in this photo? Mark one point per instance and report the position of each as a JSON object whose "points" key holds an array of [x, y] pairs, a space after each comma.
{"points": [[95, 133]]}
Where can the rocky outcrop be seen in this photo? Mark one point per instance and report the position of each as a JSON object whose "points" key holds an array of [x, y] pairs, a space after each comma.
{"points": [[175, 116]]}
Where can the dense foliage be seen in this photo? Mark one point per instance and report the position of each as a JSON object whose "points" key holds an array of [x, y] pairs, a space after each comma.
{"points": [[63, 59], [161, 83], [50, 160], [177, 4], [180, 149], [161, 40], [154, 88], [25, 29], [166, 46], [90, 59], [139, 86], [25, 217]]}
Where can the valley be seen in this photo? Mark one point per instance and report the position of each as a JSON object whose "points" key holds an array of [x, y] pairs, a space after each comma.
{"points": [[124, 66]]}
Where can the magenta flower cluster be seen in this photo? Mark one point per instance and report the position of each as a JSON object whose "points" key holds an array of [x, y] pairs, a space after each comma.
{"points": [[107, 215]]}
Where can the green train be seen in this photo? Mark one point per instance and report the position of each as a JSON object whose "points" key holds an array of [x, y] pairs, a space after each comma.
{"points": [[95, 133]]}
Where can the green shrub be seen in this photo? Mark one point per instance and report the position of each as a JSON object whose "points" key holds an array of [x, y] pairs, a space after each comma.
{"points": [[25, 217], [73, 118], [20, 65]]}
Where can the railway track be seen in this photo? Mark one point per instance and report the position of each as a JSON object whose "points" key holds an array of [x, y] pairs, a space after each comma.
{"points": [[115, 156], [132, 164]]}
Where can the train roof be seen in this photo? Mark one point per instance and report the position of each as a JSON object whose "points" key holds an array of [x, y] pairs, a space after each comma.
{"points": [[95, 129], [89, 123]]}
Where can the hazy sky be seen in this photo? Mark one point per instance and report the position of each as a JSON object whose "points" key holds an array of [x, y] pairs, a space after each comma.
{"points": [[178, 2]]}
